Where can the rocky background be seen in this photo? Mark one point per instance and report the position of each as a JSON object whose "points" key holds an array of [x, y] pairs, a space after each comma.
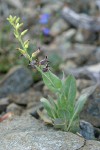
{"points": [[68, 31]]}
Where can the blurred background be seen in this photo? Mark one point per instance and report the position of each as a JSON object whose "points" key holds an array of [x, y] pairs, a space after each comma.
{"points": [[68, 32]]}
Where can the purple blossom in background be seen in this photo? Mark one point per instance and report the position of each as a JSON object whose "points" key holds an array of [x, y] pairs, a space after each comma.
{"points": [[24, 18], [44, 18], [46, 31]]}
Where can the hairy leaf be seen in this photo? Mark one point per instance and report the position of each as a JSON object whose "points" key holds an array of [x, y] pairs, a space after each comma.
{"points": [[69, 89], [47, 106], [51, 81], [53, 105], [51, 112], [83, 98], [80, 103]]}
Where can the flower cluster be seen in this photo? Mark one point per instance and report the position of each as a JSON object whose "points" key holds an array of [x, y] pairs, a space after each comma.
{"points": [[43, 64], [33, 59]]}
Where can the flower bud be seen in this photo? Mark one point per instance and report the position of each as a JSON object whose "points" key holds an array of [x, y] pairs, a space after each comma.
{"points": [[26, 44], [10, 17], [24, 32], [17, 20], [20, 25], [14, 18], [35, 53], [17, 26], [21, 51]]}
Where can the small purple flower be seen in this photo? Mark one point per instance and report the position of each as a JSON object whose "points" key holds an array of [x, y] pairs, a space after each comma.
{"points": [[46, 68], [44, 18], [46, 31], [33, 63], [44, 61]]}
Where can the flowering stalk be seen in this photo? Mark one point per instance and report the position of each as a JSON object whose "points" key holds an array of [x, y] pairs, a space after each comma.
{"points": [[15, 22], [64, 113]]}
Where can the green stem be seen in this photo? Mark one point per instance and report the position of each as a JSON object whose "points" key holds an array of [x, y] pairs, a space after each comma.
{"points": [[22, 44], [20, 40]]}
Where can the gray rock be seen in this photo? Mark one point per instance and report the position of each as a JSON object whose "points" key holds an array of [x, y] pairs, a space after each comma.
{"points": [[15, 4], [91, 145], [97, 133], [91, 72], [26, 133], [17, 80], [58, 27], [98, 54], [79, 36], [4, 102], [79, 53], [33, 110], [68, 35], [30, 96], [68, 65], [52, 7], [87, 130], [14, 108], [65, 37], [91, 111], [79, 20], [64, 46], [95, 71], [83, 83]]}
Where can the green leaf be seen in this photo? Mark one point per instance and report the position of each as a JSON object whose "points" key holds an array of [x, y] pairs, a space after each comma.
{"points": [[69, 89], [67, 98], [64, 114], [51, 81], [78, 107], [83, 98], [80, 103], [54, 106], [48, 107], [62, 102], [75, 125]]}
